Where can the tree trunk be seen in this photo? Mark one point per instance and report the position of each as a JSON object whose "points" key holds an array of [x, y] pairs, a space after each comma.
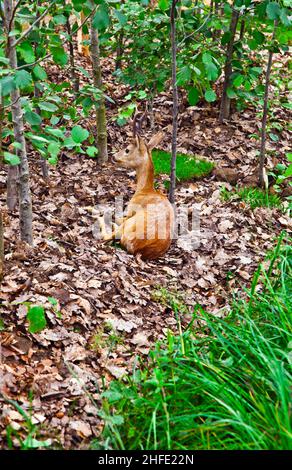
{"points": [[175, 102], [1, 218], [225, 101], [242, 29], [43, 161], [1, 128], [74, 76], [1, 246], [265, 113], [120, 50], [101, 134], [12, 187], [12, 172], [25, 205]]}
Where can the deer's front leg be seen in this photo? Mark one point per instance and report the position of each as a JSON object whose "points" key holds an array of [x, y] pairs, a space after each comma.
{"points": [[105, 233]]}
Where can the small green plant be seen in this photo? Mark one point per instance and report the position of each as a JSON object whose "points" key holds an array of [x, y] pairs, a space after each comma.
{"points": [[30, 430], [224, 384], [187, 166], [254, 197], [172, 299]]}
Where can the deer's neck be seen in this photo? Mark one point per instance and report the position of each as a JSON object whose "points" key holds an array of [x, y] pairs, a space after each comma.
{"points": [[145, 176]]}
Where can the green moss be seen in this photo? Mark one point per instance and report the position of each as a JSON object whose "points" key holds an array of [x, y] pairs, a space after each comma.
{"points": [[187, 166]]}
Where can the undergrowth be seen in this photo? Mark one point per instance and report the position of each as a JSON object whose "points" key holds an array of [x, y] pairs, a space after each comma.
{"points": [[222, 385], [254, 197]]}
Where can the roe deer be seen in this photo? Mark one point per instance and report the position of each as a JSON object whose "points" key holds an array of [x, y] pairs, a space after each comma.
{"points": [[148, 226]]}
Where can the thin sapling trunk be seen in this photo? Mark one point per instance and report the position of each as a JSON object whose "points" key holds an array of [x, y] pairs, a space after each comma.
{"points": [[265, 113], [101, 131], [175, 101], [25, 205], [225, 101]]}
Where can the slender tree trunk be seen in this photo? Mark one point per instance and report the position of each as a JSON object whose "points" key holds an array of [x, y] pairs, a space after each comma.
{"points": [[43, 161], [175, 102], [265, 112], [12, 187], [120, 50], [101, 135], [1, 218], [25, 205], [1, 246], [1, 127], [225, 101], [12, 172], [151, 112], [74, 76], [242, 29]]}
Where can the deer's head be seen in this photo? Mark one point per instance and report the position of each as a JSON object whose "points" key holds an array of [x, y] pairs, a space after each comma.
{"points": [[138, 152]]}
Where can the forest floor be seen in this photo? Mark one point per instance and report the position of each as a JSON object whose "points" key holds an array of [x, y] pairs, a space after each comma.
{"points": [[113, 307]]}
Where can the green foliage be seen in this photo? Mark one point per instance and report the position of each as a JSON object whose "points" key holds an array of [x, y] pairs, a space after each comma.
{"points": [[31, 431], [187, 166], [36, 318], [254, 197], [221, 385]]}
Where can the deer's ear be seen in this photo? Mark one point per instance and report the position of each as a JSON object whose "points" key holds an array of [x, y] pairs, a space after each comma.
{"points": [[155, 140], [140, 144]]}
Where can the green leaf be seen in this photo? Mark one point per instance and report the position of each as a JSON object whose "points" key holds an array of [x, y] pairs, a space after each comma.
{"points": [[288, 172], [164, 4], [4, 60], [53, 160], [231, 93], [55, 132], [7, 85], [36, 318], [92, 151], [46, 106], [59, 55], [193, 96], [32, 118], [210, 96], [59, 19], [32, 443], [22, 78], [101, 18], [273, 10], [54, 149], [289, 156], [26, 51], [184, 75], [79, 134], [207, 58], [238, 81], [212, 71], [285, 20], [39, 72], [273, 137], [11, 159], [225, 38], [54, 120], [259, 37], [53, 301], [122, 19]]}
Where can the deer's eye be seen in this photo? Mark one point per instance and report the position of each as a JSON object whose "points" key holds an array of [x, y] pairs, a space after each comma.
{"points": [[127, 150]]}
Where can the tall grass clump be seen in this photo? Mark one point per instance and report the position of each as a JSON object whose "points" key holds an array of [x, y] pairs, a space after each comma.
{"points": [[221, 385]]}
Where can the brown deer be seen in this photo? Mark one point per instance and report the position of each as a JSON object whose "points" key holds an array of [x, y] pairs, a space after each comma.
{"points": [[148, 226]]}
